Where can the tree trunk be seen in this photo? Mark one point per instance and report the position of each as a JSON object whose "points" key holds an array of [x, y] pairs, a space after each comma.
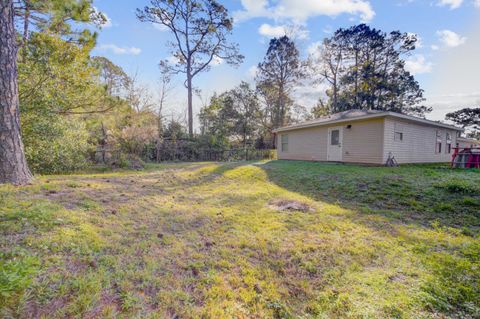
{"points": [[356, 79], [335, 94], [190, 103], [281, 107], [103, 144], [13, 166]]}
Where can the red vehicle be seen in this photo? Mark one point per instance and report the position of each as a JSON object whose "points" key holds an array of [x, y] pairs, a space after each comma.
{"points": [[468, 157]]}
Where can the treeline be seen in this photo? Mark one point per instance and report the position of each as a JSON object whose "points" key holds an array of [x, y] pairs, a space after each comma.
{"points": [[77, 109], [361, 67]]}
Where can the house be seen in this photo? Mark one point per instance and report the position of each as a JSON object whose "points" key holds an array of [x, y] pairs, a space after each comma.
{"points": [[463, 142], [359, 136]]}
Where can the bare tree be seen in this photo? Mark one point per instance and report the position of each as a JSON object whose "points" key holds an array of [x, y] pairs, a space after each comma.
{"points": [[326, 61], [138, 95], [13, 165], [112, 75], [165, 89], [200, 29]]}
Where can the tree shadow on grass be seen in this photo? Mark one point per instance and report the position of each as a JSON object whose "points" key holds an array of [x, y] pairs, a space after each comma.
{"points": [[423, 198], [421, 195]]}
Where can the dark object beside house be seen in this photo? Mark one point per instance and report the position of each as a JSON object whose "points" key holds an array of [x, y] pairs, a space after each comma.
{"points": [[466, 157]]}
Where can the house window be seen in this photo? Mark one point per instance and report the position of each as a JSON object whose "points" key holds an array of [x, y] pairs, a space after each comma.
{"points": [[335, 137], [398, 135], [448, 146], [284, 142], [438, 142], [438, 147]]}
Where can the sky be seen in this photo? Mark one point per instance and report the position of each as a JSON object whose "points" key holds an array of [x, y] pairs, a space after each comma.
{"points": [[446, 63]]}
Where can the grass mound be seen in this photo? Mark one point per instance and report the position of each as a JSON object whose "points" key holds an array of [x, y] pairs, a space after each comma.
{"points": [[289, 205]]}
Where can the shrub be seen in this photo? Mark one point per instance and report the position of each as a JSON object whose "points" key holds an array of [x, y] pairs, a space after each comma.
{"points": [[458, 186], [55, 144]]}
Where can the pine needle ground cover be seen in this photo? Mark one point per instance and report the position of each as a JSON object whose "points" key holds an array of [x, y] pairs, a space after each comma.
{"points": [[275, 239]]}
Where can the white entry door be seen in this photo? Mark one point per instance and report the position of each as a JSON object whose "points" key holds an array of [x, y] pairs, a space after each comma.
{"points": [[335, 144]]}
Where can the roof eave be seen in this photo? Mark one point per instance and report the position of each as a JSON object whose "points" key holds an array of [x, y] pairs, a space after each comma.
{"points": [[424, 121], [300, 126], [366, 117]]}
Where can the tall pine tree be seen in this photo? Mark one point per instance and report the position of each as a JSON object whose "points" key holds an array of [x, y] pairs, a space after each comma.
{"points": [[365, 68], [54, 17], [277, 75]]}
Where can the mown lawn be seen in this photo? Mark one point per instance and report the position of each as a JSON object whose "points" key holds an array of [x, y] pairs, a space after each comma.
{"points": [[211, 241]]}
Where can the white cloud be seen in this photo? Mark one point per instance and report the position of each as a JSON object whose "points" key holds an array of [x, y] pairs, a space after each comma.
{"points": [[172, 60], [252, 71], [329, 29], [301, 10], [160, 27], [445, 103], [476, 3], [419, 43], [271, 31], [107, 23], [255, 7], [453, 4], [434, 47], [314, 47], [450, 39], [216, 61], [307, 94], [120, 50], [293, 31], [456, 72], [297, 32], [418, 65], [315, 50]]}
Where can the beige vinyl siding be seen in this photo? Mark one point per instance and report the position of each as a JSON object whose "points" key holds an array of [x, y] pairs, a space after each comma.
{"points": [[363, 142], [305, 144], [418, 145]]}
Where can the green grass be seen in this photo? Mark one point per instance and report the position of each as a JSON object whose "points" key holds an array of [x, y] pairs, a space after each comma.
{"points": [[207, 241]]}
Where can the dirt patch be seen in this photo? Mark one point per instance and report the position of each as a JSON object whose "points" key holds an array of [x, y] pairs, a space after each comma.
{"points": [[283, 205]]}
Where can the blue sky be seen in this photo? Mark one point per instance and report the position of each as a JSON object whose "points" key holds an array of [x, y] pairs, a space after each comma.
{"points": [[447, 64]]}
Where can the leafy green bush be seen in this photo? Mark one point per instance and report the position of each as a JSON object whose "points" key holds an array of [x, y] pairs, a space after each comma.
{"points": [[458, 186], [55, 144], [57, 81]]}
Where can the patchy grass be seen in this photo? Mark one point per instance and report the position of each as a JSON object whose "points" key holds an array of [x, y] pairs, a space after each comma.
{"points": [[254, 240]]}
